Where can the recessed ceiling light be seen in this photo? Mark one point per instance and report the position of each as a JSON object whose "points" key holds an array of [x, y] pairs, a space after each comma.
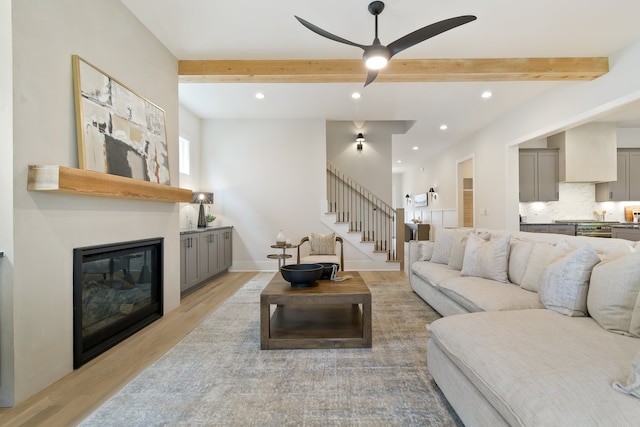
{"points": [[444, 127], [415, 148], [260, 95], [356, 95], [399, 161], [487, 94]]}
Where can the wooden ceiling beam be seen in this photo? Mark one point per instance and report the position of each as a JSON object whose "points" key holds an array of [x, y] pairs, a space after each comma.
{"points": [[398, 70]]}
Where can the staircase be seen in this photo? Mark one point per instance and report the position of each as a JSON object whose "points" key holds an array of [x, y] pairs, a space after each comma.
{"points": [[365, 221]]}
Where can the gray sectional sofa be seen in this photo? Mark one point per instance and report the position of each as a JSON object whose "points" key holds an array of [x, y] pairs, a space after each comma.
{"points": [[538, 329]]}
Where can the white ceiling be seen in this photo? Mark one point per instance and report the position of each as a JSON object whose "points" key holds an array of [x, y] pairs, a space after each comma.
{"points": [[258, 29]]}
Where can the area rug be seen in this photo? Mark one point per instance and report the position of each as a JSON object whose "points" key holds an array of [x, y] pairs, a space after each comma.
{"points": [[218, 376]]}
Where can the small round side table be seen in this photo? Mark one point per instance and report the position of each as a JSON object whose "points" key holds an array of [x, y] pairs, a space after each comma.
{"points": [[284, 256]]}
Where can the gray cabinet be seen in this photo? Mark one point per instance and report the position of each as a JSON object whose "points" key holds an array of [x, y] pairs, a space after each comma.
{"points": [[627, 185], [625, 233], [568, 229], [189, 261], [203, 254], [538, 175]]}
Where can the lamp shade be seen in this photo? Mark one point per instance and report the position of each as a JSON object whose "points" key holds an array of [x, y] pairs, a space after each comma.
{"points": [[202, 197]]}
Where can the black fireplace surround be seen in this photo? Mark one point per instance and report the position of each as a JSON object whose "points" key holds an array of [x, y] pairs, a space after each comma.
{"points": [[117, 290]]}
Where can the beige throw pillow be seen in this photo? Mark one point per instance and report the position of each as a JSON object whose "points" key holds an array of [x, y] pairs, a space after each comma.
{"points": [[323, 244], [442, 245], [456, 255], [613, 295], [535, 266], [426, 250], [519, 254], [564, 283], [488, 260]]}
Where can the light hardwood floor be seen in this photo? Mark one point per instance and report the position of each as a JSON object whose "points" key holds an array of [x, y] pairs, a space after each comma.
{"points": [[69, 400]]}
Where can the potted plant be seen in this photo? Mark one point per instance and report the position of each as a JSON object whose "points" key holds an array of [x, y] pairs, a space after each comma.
{"points": [[209, 218]]}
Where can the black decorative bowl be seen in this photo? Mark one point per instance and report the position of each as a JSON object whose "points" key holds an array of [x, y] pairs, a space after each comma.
{"points": [[327, 268], [301, 275]]}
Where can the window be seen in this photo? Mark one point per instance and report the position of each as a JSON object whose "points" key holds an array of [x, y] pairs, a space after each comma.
{"points": [[185, 152]]}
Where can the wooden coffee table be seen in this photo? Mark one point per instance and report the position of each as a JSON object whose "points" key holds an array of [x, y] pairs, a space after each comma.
{"points": [[329, 315]]}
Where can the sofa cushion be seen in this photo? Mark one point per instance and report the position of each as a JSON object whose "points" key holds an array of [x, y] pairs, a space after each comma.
{"points": [[433, 273], [323, 244], [536, 264], [564, 283], [614, 290], [488, 260], [519, 254], [539, 368], [478, 294]]}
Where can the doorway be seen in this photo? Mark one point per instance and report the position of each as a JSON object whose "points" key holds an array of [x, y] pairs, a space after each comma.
{"points": [[465, 193]]}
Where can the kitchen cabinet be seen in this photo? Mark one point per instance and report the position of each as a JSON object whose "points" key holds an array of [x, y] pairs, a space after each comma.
{"points": [[204, 254], [189, 261], [568, 229], [627, 185], [629, 233], [538, 175]]}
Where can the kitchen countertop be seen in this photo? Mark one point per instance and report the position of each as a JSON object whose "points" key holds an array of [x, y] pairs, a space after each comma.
{"points": [[202, 230]]}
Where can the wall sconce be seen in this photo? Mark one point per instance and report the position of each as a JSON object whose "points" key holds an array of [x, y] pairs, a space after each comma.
{"points": [[359, 140], [203, 199], [432, 194], [408, 197]]}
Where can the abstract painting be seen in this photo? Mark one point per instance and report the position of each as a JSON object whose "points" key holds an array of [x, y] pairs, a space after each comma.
{"points": [[119, 132]]}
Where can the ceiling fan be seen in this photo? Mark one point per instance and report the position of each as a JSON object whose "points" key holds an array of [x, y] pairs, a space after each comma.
{"points": [[376, 55]]}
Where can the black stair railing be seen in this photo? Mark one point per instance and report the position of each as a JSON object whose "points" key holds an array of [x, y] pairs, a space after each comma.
{"points": [[364, 212]]}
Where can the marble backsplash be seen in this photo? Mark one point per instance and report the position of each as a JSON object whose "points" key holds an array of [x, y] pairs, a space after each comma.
{"points": [[577, 202]]}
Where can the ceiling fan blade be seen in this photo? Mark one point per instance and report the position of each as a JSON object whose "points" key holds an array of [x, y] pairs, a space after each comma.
{"points": [[371, 76], [427, 32], [327, 34]]}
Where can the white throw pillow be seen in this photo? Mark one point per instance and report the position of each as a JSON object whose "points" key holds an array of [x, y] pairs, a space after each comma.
{"points": [[632, 387], [323, 244], [456, 255], [489, 260], [613, 295], [442, 245], [519, 254], [535, 266], [426, 250], [564, 283]]}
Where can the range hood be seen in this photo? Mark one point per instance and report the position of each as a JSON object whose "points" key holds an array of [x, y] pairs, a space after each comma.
{"points": [[587, 153]]}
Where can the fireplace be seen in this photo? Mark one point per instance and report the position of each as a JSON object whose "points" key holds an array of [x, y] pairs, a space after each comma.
{"points": [[117, 290]]}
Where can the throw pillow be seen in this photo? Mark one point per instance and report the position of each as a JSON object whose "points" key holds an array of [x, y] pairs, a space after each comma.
{"points": [[519, 254], [632, 387], [323, 244], [456, 255], [442, 245], [613, 295], [426, 250], [564, 283], [488, 260], [535, 266]]}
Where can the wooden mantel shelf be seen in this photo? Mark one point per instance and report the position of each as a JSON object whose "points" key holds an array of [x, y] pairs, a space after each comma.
{"points": [[62, 179]]}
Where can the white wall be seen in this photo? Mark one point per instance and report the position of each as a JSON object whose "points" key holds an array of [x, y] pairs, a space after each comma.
{"points": [[48, 226], [371, 167], [266, 178], [495, 147], [190, 128], [6, 204]]}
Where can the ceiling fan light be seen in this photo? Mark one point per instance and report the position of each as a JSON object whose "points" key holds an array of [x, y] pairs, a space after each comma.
{"points": [[376, 57], [376, 62]]}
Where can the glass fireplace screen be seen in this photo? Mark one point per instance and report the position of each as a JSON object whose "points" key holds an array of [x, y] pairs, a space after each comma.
{"points": [[117, 290]]}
